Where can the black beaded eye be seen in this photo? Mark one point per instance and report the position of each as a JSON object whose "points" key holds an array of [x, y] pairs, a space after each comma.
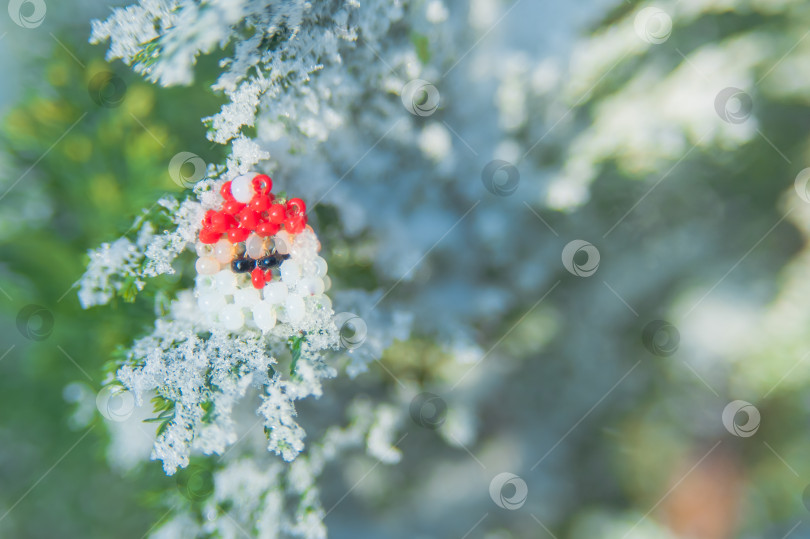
{"points": [[271, 261], [243, 265], [267, 262]]}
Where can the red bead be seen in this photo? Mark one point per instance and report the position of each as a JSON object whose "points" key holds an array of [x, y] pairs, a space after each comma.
{"points": [[266, 229], [268, 276], [248, 218], [262, 183], [222, 222], [259, 203], [277, 213], [232, 207], [207, 218], [225, 191], [257, 278], [209, 236], [238, 234], [295, 224], [296, 206]]}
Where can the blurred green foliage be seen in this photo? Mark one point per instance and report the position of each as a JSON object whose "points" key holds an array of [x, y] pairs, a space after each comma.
{"points": [[97, 166]]}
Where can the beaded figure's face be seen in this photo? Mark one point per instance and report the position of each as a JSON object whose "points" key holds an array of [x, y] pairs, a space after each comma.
{"points": [[258, 259]]}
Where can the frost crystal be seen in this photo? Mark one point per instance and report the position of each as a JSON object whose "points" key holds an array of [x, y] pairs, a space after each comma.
{"points": [[112, 268], [219, 347], [197, 364]]}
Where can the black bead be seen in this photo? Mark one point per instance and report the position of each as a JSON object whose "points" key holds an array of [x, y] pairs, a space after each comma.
{"points": [[243, 265], [267, 262]]}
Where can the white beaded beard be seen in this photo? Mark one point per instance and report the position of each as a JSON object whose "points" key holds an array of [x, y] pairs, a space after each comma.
{"points": [[228, 300]]}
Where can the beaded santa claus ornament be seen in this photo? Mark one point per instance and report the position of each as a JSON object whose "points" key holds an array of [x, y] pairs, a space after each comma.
{"points": [[258, 258]]}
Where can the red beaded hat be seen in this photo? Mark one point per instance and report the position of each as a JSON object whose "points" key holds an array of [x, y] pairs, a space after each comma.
{"points": [[250, 207]]}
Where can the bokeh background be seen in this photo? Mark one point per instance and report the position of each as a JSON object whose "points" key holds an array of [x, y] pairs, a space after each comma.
{"points": [[648, 381]]}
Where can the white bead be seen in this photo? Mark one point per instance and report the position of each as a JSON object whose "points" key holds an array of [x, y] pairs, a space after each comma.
{"points": [[307, 267], [309, 240], [294, 308], [323, 301], [255, 246], [311, 286], [321, 265], [264, 315], [232, 317], [223, 251], [298, 249], [204, 282], [246, 297], [207, 265], [327, 283], [242, 189], [275, 292], [225, 282], [290, 271], [211, 301], [283, 242], [204, 249]]}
